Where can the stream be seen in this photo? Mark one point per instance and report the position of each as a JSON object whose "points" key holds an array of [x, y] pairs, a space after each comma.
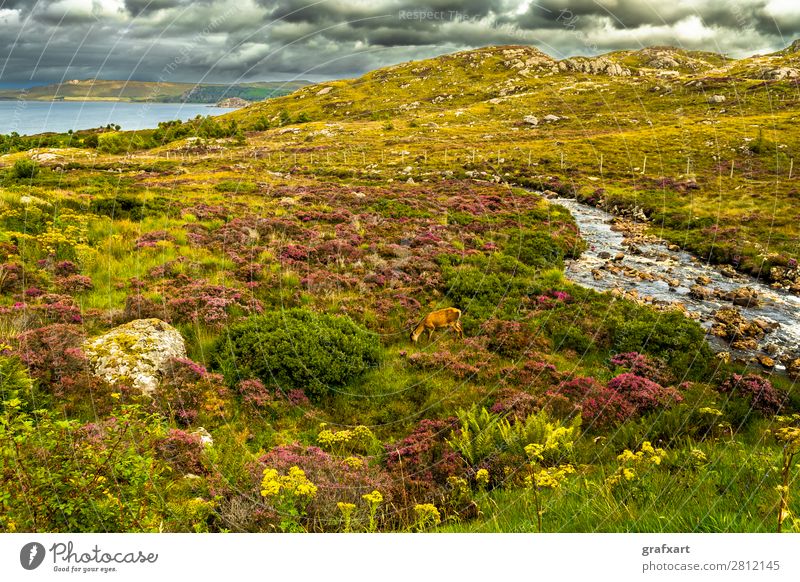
{"points": [[613, 263]]}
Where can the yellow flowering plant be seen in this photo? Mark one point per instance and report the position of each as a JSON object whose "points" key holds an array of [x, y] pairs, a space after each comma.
{"points": [[359, 439], [635, 466], [374, 499], [347, 514], [543, 479], [427, 516], [789, 438], [289, 494]]}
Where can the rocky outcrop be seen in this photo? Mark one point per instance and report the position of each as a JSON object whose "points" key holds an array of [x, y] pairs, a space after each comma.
{"points": [[597, 66], [135, 353], [780, 73]]}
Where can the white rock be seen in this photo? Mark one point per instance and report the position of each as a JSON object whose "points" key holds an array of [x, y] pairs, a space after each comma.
{"points": [[324, 91], [135, 353], [531, 120], [205, 437]]}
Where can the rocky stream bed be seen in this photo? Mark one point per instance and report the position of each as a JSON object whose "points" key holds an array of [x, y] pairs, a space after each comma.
{"points": [[746, 319]]}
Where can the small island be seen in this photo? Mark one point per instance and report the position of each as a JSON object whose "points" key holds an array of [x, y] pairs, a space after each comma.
{"points": [[233, 102]]}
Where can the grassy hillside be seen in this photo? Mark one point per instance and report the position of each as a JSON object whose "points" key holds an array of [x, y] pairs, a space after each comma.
{"points": [[295, 243], [706, 153], [105, 90]]}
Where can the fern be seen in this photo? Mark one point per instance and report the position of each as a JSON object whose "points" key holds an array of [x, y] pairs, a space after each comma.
{"points": [[479, 435]]}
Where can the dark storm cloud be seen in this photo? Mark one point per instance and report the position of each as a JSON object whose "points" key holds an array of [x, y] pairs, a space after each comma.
{"points": [[231, 40], [144, 6]]}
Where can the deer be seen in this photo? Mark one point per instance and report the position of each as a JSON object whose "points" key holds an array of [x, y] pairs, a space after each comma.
{"points": [[448, 317]]}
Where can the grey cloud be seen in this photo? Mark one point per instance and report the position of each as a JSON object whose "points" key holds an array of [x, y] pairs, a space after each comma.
{"points": [[228, 40]]}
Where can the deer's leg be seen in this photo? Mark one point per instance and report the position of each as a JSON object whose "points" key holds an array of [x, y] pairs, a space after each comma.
{"points": [[460, 330], [430, 333]]}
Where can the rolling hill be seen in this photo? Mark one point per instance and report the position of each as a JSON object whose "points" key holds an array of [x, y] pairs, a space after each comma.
{"points": [[107, 90]]}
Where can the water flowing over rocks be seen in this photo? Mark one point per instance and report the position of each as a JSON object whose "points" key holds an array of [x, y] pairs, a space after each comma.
{"points": [[135, 353], [754, 321]]}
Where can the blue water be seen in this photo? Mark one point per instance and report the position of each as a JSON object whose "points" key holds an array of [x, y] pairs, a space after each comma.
{"points": [[31, 117]]}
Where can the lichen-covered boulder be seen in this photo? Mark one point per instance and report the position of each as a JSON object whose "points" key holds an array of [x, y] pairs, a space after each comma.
{"points": [[135, 353]]}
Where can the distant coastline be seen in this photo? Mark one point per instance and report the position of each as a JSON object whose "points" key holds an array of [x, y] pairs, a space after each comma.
{"points": [[59, 116], [151, 92]]}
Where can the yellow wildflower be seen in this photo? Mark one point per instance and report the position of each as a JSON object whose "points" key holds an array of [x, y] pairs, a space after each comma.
{"points": [[373, 498], [353, 462], [270, 483], [427, 514]]}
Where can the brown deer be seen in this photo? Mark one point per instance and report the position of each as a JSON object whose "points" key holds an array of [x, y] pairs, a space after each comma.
{"points": [[448, 317]]}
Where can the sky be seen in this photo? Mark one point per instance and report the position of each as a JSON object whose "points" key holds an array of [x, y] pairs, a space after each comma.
{"points": [[227, 41]]}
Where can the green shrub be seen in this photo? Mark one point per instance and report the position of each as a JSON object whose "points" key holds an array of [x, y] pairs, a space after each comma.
{"points": [[489, 287], [670, 336], [14, 380], [59, 476], [297, 349], [536, 249], [24, 169], [237, 186]]}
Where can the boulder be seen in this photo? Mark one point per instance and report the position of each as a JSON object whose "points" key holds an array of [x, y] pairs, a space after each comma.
{"points": [[700, 292], [531, 120], [716, 99], [743, 297], [135, 353], [766, 361], [793, 369]]}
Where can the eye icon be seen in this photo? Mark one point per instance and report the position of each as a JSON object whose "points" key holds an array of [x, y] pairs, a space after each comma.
{"points": [[31, 555]]}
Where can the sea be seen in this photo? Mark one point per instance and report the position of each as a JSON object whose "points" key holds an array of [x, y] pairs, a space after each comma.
{"points": [[32, 117]]}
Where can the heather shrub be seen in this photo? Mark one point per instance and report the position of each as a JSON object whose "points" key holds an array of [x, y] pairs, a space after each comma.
{"points": [[54, 356], [295, 349], [182, 450], [643, 365], [643, 394], [598, 405], [212, 305], [757, 391], [515, 404], [188, 394], [507, 338], [532, 375], [424, 459], [254, 393]]}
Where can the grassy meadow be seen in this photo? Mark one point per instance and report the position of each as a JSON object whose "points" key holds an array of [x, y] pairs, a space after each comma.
{"points": [[296, 242]]}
